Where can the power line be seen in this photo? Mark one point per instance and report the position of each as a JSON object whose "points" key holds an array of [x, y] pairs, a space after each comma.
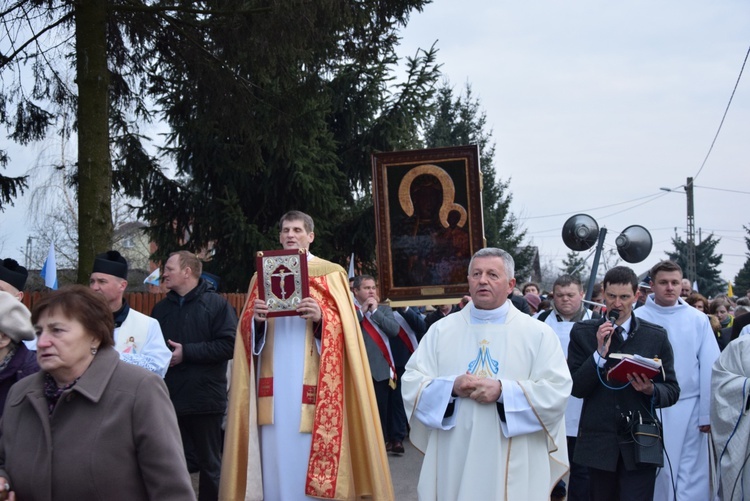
{"points": [[722, 189], [714, 230], [725, 113], [654, 196], [552, 232], [651, 198]]}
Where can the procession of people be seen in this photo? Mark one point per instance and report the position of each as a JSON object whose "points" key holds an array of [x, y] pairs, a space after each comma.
{"points": [[504, 402]]}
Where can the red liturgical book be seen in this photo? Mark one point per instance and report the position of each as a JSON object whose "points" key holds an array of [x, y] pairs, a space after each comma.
{"points": [[282, 280], [633, 364]]}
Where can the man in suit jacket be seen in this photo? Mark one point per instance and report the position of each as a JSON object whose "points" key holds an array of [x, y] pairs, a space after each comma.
{"points": [[378, 326], [605, 435], [411, 330]]}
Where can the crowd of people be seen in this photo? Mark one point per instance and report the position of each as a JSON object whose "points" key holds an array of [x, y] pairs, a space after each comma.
{"points": [[506, 391]]}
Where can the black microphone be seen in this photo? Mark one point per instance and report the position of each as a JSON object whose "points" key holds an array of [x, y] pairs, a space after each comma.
{"points": [[612, 316]]}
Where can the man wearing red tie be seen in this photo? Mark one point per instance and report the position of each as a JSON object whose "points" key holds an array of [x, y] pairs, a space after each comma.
{"points": [[378, 326]]}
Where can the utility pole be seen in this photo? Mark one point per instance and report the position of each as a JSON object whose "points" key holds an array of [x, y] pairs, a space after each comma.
{"points": [[28, 253], [691, 271]]}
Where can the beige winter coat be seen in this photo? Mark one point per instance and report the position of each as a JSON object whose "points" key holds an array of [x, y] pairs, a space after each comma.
{"points": [[112, 436]]}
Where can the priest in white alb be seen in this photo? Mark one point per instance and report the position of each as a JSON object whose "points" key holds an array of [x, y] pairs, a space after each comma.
{"points": [[485, 394]]}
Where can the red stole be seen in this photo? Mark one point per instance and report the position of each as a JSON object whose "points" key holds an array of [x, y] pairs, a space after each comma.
{"points": [[375, 335], [405, 333]]}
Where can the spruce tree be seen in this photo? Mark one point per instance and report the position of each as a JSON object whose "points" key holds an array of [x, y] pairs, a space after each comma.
{"points": [[269, 107], [742, 280], [287, 122], [460, 120], [707, 264], [573, 264]]}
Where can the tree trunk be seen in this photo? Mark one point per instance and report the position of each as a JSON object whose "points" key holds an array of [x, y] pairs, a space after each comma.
{"points": [[94, 170]]}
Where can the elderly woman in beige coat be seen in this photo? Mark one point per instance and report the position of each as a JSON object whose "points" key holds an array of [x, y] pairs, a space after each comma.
{"points": [[88, 426]]}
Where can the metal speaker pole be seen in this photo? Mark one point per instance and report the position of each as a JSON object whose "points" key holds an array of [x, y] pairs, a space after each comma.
{"points": [[595, 266]]}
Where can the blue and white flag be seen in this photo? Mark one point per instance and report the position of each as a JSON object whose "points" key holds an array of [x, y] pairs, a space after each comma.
{"points": [[49, 270], [351, 266], [153, 278]]}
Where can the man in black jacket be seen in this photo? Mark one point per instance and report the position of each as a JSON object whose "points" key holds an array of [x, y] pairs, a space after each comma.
{"points": [[606, 442], [199, 327]]}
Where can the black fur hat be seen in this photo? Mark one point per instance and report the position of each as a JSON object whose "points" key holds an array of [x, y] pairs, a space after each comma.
{"points": [[13, 273], [111, 263]]}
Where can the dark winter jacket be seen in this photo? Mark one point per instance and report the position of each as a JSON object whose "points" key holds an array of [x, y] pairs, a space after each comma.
{"points": [[21, 365], [436, 315], [205, 324]]}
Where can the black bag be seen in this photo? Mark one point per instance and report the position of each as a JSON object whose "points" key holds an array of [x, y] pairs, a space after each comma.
{"points": [[648, 445]]}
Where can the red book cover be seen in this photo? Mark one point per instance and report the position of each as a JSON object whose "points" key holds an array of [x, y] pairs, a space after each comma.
{"points": [[282, 280], [630, 365]]}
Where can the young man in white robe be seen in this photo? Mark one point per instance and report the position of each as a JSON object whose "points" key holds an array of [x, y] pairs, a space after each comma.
{"points": [[687, 423], [485, 394]]}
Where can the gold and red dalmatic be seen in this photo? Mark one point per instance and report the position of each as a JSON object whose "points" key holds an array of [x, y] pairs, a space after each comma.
{"points": [[347, 455]]}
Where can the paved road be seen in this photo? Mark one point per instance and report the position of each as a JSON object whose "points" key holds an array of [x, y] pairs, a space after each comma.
{"points": [[405, 472]]}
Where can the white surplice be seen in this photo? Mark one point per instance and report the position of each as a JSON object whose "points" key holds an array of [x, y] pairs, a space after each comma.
{"points": [[575, 405], [695, 350], [473, 454], [139, 341]]}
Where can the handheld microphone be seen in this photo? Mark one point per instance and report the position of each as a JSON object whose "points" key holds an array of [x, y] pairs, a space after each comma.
{"points": [[612, 316]]}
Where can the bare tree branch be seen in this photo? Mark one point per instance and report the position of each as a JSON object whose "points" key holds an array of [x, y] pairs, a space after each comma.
{"points": [[4, 60], [12, 8]]}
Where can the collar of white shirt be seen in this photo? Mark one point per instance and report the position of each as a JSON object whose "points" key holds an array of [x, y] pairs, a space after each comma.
{"points": [[495, 316]]}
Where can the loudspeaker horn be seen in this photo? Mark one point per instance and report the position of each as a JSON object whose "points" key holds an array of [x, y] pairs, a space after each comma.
{"points": [[634, 243], [580, 232]]}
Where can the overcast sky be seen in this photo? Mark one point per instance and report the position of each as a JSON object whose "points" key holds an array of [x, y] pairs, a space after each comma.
{"points": [[593, 104], [597, 103]]}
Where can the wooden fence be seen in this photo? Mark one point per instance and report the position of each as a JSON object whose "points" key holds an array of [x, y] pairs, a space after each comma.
{"points": [[144, 301]]}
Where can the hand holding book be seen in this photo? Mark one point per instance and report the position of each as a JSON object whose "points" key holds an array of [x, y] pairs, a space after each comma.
{"points": [[633, 364]]}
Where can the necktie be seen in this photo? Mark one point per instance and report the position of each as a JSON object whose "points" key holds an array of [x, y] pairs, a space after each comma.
{"points": [[618, 333]]}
